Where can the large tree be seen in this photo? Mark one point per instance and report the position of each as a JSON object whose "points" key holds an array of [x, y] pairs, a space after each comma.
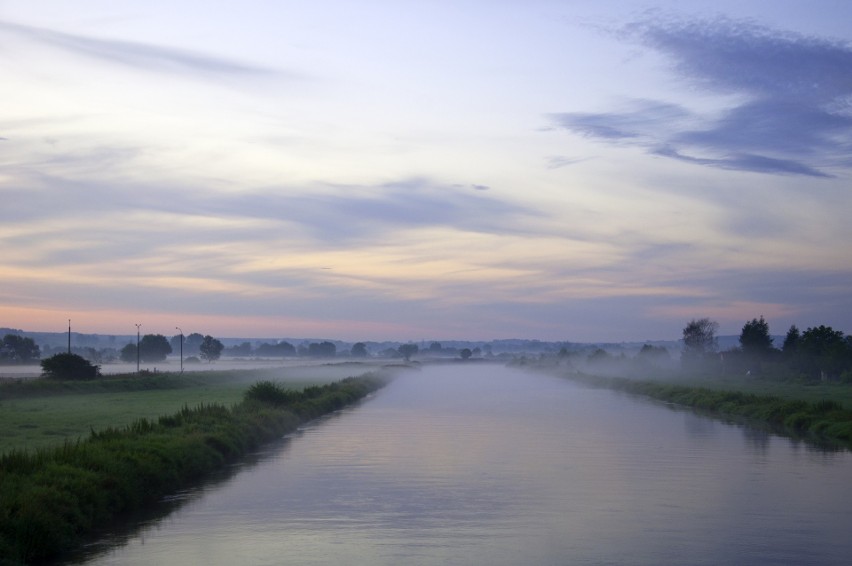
{"points": [[791, 341], [211, 348], [359, 350], [699, 339], [128, 353], [14, 348], [827, 353], [755, 339], [154, 348]]}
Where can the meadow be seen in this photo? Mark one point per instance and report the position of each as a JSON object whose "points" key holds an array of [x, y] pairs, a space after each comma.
{"points": [[40, 413]]}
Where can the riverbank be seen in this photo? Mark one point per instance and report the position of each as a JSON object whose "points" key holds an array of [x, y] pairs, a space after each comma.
{"points": [[824, 421], [51, 499]]}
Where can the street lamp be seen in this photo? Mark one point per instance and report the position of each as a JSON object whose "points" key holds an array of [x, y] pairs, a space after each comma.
{"points": [[138, 326], [181, 347]]}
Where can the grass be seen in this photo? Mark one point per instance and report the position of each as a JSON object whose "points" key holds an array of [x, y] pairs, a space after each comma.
{"points": [[809, 391], [793, 409], [52, 499], [41, 413]]}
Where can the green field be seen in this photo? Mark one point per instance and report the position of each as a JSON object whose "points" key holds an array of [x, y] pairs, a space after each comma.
{"points": [[811, 392], [42, 413]]}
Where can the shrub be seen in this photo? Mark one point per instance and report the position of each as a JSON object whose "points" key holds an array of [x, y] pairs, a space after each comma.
{"points": [[69, 366], [272, 393]]}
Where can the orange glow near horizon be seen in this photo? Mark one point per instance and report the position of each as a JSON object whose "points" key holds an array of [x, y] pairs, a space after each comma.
{"points": [[105, 322]]}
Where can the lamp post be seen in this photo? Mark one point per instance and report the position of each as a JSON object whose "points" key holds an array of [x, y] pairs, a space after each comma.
{"points": [[138, 326], [181, 347]]}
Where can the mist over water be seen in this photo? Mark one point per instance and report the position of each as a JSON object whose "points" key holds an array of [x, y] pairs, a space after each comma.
{"points": [[481, 464]]}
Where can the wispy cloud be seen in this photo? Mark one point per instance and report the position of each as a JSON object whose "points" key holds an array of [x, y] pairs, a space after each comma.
{"points": [[794, 115], [133, 54]]}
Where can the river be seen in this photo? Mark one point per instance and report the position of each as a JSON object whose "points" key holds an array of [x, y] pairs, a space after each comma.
{"points": [[481, 464]]}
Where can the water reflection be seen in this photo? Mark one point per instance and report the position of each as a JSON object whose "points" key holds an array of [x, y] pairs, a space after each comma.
{"points": [[487, 465]]}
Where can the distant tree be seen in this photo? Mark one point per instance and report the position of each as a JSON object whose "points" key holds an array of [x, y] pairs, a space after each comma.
{"points": [[192, 344], [210, 349], [390, 353], [699, 339], [128, 353], [408, 350], [755, 339], [322, 350], [359, 350], [279, 350], [791, 341], [653, 354], [476, 352], [69, 366], [154, 348], [465, 353], [598, 356], [243, 349], [826, 351], [435, 347], [17, 349]]}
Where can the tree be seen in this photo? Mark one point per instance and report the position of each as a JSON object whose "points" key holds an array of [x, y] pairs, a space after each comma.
{"points": [[154, 348], [435, 347], [128, 353], [322, 349], [465, 353], [281, 349], [359, 350], [791, 341], [654, 354], [69, 366], [699, 339], [210, 349], [408, 350], [755, 339], [192, 344], [243, 349], [826, 351], [18, 349]]}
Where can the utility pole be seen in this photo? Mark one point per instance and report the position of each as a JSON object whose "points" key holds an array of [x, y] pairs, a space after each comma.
{"points": [[181, 347], [69, 335], [138, 326]]}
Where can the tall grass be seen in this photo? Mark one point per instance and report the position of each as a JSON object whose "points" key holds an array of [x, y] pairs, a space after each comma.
{"points": [[51, 499]]}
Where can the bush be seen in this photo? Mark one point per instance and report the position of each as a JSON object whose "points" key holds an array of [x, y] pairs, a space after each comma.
{"points": [[69, 366], [272, 393]]}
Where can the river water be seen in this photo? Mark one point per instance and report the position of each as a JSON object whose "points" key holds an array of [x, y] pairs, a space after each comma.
{"points": [[473, 464]]}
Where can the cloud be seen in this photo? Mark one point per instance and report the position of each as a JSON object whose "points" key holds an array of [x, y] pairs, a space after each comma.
{"points": [[557, 161], [137, 55], [332, 215], [747, 162], [793, 114]]}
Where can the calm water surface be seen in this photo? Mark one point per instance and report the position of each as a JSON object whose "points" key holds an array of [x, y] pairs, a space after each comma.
{"points": [[487, 465]]}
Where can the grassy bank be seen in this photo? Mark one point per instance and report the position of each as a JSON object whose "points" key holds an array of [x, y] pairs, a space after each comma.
{"points": [[50, 499], [823, 420], [40, 413]]}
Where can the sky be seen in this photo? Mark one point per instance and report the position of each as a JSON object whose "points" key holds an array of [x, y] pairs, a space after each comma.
{"points": [[409, 170]]}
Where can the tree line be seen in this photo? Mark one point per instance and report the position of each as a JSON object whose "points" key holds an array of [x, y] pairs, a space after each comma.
{"points": [[818, 352]]}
